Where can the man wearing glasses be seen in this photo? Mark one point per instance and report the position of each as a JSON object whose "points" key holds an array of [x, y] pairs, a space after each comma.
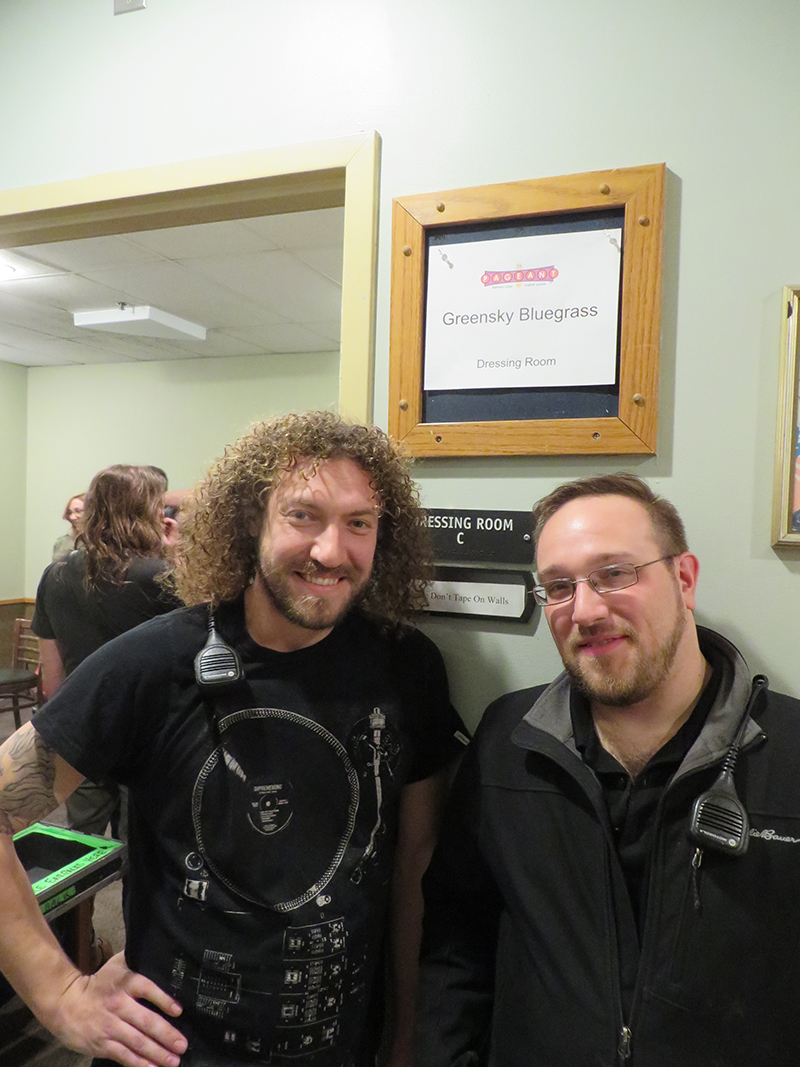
{"points": [[582, 908]]}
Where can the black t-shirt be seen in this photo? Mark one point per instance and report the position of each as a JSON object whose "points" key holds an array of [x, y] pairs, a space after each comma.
{"points": [[262, 823], [632, 805], [80, 619]]}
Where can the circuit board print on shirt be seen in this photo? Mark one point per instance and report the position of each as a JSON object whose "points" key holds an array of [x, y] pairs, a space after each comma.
{"points": [[312, 989], [311, 999]]}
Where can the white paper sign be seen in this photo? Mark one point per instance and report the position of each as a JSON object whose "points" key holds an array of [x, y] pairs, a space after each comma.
{"points": [[477, 598], [523, 312]]}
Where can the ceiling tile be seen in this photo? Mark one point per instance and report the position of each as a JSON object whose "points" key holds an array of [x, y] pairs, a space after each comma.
{"points": [[217, 343], [128, 348], [15, 310], [206, 239], [25, 267], [288, 338], [21, 336], [57, 349], [301, 229], [174, 288], [278, 280], [145, 355], [69, 292], [327, 260], [90, 253], [89, 356], [330, 331], [26, 358]]}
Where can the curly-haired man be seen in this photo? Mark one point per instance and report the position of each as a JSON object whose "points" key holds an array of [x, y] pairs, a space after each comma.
{"points": [[284, 739]]}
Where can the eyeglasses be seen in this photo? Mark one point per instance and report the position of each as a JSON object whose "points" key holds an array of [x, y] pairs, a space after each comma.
{"points": [[605, 580]]}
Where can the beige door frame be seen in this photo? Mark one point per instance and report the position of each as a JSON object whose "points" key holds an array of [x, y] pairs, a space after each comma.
{"points": [[272, 181]]}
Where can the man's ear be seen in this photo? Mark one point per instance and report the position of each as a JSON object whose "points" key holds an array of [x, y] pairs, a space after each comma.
{"points": [[688, 573], [255, 518]]}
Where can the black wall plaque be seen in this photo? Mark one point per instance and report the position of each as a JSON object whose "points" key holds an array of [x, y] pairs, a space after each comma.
{"points": [[481, 536]]}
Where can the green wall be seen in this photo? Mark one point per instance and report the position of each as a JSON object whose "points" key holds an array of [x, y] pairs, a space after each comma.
{"points": [[13, 390]]}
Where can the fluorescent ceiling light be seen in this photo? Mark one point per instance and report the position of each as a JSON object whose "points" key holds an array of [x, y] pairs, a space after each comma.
{"points": [[6, 270], [140, 321]]}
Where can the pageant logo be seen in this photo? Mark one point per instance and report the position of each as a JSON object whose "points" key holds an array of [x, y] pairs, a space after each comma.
{"points": [[519, 275]]}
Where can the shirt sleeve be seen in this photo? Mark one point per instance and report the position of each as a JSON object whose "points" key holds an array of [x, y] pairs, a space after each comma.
{"points": [[460, 929], [104, 718], [40, 624], [437, 731]]}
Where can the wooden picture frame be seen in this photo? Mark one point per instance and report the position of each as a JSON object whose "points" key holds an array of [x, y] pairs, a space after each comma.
{"points": [[786, 492], [639, 193]]}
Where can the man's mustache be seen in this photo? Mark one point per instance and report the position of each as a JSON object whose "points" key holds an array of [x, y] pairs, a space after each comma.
{"points": [[586, 633]]}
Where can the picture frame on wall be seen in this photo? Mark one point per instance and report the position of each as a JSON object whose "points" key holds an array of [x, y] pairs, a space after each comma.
{"points": [[525, 316], [786, 493]]}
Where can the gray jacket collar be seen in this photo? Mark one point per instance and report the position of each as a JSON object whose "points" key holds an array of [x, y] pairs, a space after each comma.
{"points": [[551, 714]]}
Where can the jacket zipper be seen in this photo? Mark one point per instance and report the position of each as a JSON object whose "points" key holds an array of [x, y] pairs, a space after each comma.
{"points": [[697, 859], [624, 1045], [624, 1035]]}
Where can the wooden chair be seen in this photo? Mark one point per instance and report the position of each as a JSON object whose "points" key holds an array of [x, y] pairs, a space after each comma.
{"points": [[21, 683]]}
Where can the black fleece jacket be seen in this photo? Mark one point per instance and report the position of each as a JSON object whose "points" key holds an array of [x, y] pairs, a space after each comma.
{"points": [[528, 922]]}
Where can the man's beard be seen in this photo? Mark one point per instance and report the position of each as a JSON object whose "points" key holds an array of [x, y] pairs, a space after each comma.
{"points": [[309, 611], [645, 674]]}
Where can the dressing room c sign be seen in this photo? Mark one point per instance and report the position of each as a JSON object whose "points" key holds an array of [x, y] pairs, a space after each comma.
{"points": [[481, 536]]}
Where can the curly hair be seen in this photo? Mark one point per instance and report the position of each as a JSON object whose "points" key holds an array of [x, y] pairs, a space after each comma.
{"points": [[218, 549], [121, 520], [666, 522]]}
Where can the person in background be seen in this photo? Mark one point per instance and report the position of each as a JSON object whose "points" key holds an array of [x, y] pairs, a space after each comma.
{"points": [[285, 740], [174, 502], [598, 897], [96, 594], [73, 513]]}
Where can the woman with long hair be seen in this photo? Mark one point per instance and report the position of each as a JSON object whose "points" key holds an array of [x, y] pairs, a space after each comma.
{"points": [[97, 593]]}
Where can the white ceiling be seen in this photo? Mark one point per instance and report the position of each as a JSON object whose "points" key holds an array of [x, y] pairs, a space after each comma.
{"points": [[262, 285]]}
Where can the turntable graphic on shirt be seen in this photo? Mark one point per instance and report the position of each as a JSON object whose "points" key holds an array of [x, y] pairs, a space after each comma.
{"points": [[262, 832]]}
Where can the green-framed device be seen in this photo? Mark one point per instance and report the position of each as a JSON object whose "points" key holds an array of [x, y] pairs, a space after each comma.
{"points": [[65, 867]]}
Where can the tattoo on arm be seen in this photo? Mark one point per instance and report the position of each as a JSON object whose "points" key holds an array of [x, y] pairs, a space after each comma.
{"points": [[27, 780]]}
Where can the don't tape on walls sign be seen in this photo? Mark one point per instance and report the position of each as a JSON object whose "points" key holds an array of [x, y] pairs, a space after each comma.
{"points": [[490, 594]]}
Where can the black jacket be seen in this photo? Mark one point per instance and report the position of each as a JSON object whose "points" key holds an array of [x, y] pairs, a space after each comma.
{"points": [[528, 922]]}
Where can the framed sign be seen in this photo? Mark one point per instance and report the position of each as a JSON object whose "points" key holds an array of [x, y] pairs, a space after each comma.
{"points": [[786, 492], [526, 316]]}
